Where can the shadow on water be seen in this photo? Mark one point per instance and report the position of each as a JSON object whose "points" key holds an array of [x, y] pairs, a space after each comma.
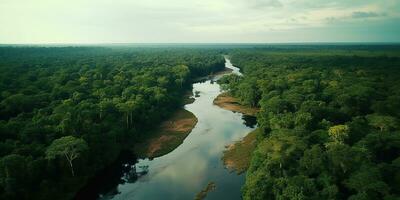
{"points": [[249, 121], [107, 180]]}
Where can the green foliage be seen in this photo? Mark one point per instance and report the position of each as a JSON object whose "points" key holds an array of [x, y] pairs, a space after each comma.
{"points": [[67, 146], [13, 176], [329, 120], [339, 133], [52, 99], [328, 115], [367, 181], [384, 123]]}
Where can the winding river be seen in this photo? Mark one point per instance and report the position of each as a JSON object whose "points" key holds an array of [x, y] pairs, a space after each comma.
{"points": [[184, 172]]}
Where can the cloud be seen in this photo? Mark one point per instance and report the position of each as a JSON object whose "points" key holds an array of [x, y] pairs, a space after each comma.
{"points": [[360, 14], [96, 21]]}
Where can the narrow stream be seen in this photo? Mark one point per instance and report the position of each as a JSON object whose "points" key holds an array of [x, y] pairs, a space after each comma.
{"points": [[185, 171]]}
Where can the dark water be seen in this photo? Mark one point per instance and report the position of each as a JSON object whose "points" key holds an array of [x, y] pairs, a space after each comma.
{"points": [[185, 171], [249, 121]]}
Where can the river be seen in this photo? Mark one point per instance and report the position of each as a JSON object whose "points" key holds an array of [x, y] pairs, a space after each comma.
{"points": [[184, 172]]}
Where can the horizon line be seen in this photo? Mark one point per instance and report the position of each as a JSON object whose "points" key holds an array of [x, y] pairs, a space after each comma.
{"points": [[189, 43]]}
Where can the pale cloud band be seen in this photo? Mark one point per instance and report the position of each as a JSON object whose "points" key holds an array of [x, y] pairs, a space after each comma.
{"points": [[132, 21]]}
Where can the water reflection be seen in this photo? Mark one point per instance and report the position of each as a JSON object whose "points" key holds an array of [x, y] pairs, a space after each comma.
{"points": [[109, 178], [135, 172], [186, 170], [249, 121]]}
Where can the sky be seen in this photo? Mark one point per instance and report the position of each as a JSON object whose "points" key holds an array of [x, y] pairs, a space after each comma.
{"points": [[198, 21]]}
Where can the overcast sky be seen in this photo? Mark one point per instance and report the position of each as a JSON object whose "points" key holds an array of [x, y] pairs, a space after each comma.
{"points": [[198, 21]]}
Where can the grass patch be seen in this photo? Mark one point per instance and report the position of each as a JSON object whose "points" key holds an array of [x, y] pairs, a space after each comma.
{"points": [[228, 102], [203, 193], [169, 135], [237, 156]]}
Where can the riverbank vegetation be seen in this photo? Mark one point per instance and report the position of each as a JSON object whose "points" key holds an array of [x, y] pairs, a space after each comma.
{"points": [[228, 102], [329, 120], [169, 135], [237, 156], [87, 103]]}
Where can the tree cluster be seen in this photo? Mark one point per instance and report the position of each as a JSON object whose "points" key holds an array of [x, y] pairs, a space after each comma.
{"points": [[67, 112], [329, 120]]}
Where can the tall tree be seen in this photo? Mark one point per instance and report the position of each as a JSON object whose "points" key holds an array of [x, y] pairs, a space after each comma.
{"points": [[384, 123], [67, 146]]}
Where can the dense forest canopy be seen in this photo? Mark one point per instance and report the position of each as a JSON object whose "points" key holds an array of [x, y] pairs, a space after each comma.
{"points": [[330, 122], [73, 109], [329, 114]]}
